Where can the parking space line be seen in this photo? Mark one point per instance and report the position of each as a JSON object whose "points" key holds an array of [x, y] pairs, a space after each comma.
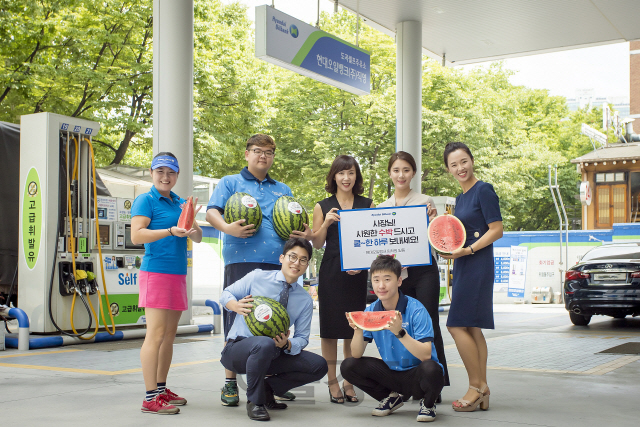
{"points": [[612, 366], [38, 353]]}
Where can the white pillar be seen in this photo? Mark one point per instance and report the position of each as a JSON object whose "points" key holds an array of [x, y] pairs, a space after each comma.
{"points": [[409, 93], [173, 95], [173, 85]]}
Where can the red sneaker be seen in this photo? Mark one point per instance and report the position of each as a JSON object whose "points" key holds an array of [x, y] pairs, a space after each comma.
{"points": [[174, 399], [160, 405]]}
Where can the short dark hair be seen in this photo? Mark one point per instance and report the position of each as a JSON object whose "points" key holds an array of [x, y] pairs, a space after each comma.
{"points": [[386, 263], [454, 146], [165, 153], [261, 140], [298, 242], [342, 163], [402, 155]]}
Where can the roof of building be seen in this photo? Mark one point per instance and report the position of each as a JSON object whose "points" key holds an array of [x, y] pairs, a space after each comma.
{"points": [[619, 151]]}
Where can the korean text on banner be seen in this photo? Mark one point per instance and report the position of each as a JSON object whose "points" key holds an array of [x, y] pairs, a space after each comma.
{"points": [[398, 231]]}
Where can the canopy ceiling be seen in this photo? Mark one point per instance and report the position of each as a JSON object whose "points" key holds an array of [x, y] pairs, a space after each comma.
{"points": [[470, 31]]}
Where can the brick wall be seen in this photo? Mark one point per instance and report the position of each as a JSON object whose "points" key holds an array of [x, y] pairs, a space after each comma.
{"points": [[634, 84]]}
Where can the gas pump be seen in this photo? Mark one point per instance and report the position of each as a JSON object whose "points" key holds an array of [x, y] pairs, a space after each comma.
{"points": [[78, 269]]}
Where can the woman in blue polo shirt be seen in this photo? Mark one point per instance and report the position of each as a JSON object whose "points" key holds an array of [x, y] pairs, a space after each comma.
{"points": [[163, 278]]}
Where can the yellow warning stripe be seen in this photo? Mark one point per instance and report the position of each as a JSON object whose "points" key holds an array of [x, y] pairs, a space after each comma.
{"points": [[32, 353]]}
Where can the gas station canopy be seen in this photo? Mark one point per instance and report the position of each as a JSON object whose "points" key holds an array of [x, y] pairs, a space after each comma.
{"points": [[471, 31]]}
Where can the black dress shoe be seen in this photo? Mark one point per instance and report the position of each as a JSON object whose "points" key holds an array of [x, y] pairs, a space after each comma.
{"points": [[275, 405], [257, 412]]}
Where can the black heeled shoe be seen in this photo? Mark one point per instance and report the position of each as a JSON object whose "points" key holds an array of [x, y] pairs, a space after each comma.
{"points": [[333, 399], [350, 399]]}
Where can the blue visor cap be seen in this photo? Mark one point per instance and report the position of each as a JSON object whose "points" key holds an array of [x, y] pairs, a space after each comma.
{"points": [[168, 161]]}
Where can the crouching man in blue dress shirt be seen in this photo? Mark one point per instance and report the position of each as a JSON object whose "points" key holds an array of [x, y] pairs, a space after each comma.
{"points": [[282, 358], [409, 365]]}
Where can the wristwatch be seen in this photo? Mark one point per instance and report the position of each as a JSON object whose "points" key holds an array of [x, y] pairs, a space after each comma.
{"points": [[401, 334]]}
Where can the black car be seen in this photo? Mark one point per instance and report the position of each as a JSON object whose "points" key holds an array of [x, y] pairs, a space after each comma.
{"points": [[606, 281]]}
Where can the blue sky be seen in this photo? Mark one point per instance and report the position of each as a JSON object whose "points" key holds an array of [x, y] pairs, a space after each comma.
{"points": [[601, 71]]}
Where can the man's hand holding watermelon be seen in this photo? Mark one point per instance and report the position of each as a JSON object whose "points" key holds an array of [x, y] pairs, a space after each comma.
{"points": [[242, 306]]}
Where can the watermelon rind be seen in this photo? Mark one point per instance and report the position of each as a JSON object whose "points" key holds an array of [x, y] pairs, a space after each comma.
{"points": [[380, 319], [448, 223], [285, 220], [235, 209], [277, 323]]}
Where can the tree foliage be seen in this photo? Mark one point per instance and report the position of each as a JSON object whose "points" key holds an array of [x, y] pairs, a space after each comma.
{"points": [[93, 59]]}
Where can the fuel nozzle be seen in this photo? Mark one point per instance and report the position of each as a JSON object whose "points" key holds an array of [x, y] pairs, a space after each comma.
{"points": [[81, 280]]}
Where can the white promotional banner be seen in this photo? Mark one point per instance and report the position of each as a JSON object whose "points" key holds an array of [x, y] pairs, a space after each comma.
{"points": [[517, 275], [399, 231]]}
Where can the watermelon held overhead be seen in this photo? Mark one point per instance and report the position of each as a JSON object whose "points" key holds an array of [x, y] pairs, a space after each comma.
{"points": [[288, 215], [243, 206], [188, 215], [446, 234], [372, 320], [267, 318]]}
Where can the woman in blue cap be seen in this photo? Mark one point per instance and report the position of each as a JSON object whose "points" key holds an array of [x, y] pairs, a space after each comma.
{"points": [[163, 278]]}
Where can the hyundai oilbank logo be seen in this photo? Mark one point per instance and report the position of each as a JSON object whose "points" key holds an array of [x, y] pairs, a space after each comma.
{"points": [[293, 30]]}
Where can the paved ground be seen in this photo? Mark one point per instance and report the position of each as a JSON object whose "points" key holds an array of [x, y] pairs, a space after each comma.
{"points": [[543, 372]]}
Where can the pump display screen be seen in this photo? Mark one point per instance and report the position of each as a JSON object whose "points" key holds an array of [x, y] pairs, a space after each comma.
{"points": [[105, 233], [128, 244]]}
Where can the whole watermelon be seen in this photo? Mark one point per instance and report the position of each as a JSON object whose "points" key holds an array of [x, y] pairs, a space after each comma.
{"points": [[243, 206], [267, 318], [288, 215]]}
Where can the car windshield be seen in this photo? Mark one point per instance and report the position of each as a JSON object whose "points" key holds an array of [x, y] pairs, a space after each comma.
{"points": [[631, 251]]}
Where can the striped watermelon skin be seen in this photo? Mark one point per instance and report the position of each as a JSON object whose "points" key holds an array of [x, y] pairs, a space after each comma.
{"points": [[285, 218], [274, 321], [235, 210]]}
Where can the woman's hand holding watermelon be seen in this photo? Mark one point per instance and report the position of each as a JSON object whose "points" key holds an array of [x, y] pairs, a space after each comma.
{"points": [[457, 253], [242, 307]]}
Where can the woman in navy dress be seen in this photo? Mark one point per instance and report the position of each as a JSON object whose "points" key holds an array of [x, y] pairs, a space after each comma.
{"points": [[473, 273]]}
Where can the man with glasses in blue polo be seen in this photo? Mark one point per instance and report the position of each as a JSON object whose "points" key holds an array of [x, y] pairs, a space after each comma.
{"points": [[242, 254]]}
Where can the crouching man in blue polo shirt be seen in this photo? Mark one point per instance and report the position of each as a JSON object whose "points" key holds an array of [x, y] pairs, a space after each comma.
{"points": [[409, 365], [282, 358]]}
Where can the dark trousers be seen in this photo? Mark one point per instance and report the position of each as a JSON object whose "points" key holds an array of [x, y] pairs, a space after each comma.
{"points": [[375, 378], [233, 273], [423, 284], [259, 356]]}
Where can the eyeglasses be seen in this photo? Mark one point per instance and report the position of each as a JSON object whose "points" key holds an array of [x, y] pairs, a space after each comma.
{"points": [[258, 152], [303, 261]]}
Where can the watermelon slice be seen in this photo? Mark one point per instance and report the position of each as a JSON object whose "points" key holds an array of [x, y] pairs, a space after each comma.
{"points": [[372, 320], [446, 234], [188, 215]]}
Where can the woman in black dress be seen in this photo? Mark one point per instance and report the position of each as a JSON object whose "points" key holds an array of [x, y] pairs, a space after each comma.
{"points": [[419, 282], [338, 291]]}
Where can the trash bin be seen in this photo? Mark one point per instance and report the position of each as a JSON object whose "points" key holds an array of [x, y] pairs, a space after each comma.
{"points": [[541, 295]]}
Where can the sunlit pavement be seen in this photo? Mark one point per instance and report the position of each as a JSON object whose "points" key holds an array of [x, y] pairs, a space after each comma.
{"points": [[543, 371]]}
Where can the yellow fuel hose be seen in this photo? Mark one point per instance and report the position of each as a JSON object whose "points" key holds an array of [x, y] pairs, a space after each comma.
{"points": [[73, 251], [104, 283]]}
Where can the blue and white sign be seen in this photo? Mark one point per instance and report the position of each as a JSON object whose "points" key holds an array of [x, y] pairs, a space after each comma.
{"points": [[292, 44], [399, 231], [501, 262], [517, 275]]}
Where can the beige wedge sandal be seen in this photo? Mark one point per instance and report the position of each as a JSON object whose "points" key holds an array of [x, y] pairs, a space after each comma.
{"points": [[468, 406]]}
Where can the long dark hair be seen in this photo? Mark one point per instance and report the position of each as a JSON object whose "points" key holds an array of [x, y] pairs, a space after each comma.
{"points": [[453, 146], [341, 163]]}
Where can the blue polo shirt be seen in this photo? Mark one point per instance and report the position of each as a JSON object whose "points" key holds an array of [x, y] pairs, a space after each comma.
{"points": [[416, 321], [264, 246], [167, 255], [269, 284]]}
